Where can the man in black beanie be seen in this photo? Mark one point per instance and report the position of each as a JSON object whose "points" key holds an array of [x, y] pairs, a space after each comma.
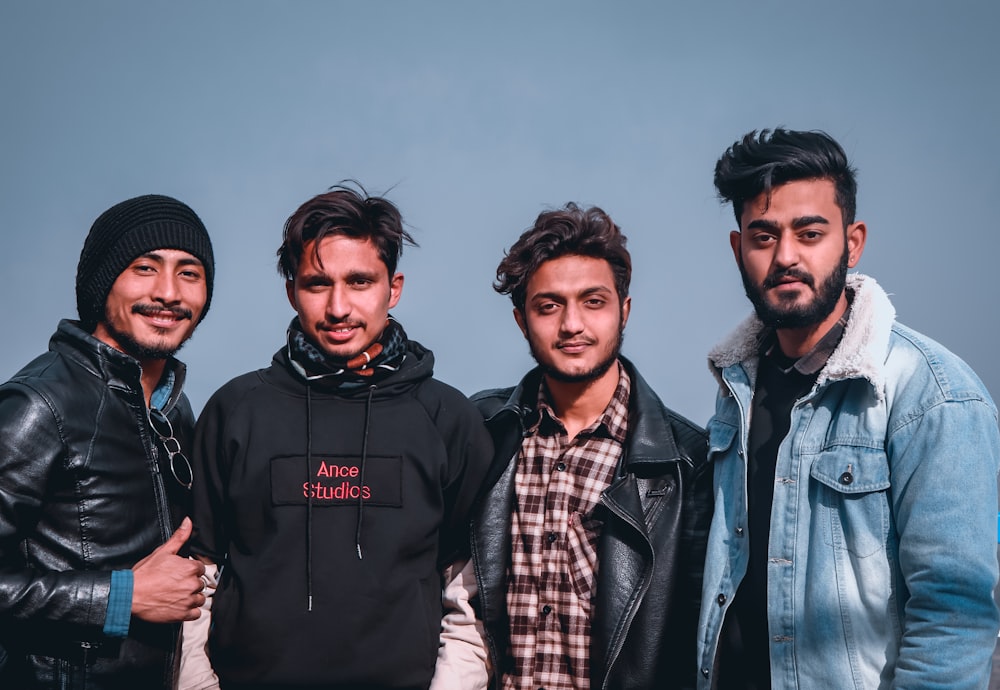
{"points": [[94, 478]]}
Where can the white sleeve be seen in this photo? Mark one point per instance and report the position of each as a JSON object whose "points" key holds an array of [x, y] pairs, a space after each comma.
{"points": [[463, 662], [196, 668]]}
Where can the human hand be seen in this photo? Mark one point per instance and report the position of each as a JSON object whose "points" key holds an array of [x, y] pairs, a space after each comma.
{"points": [[166, 587]]}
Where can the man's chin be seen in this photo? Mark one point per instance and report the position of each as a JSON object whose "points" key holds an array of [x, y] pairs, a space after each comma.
{"points": [[577, 375], [157, 350], [342, 353], [791, 313], [163, 350], [792, 318], [150, 349]]}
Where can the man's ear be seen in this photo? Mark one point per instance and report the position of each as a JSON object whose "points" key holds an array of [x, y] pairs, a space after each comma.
{"points": [[626, 309], [736, 242], [521, 323], [856, 234], [395, 289], [290, 291]]}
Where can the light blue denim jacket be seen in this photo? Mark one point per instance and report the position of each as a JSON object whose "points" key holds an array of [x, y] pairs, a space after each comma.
{"points": [[882, 556]]}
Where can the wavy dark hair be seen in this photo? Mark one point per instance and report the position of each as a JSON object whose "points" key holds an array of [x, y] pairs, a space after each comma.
{"points": [[343, 210], [570, 230], [757, 163]]}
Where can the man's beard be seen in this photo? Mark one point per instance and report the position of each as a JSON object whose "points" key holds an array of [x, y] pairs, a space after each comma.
{"points": [[592, 374], [140, 351], [798, 316]]}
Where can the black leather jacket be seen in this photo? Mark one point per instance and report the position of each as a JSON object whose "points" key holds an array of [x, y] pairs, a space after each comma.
{"points": [[650, 551], [84, 490]]}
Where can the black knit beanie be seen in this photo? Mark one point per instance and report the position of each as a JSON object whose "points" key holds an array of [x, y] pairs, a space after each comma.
{"points": [[131, 229]]}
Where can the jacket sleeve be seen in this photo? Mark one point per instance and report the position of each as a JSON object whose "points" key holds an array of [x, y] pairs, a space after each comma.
{"points": [[31, 450], [944, 466]]}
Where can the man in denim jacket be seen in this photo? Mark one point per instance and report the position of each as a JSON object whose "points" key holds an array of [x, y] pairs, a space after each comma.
{"points": [[853, 543]]}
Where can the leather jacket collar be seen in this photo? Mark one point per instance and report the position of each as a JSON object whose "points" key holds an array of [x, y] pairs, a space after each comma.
{"points": [[650, 438], [117, 369]]}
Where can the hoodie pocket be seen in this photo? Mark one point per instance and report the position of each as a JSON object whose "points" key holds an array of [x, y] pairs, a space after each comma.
{"points": [[851, 498]]}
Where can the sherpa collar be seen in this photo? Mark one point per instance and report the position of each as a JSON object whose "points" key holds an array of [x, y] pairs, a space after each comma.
{"points": [[860, 354]]}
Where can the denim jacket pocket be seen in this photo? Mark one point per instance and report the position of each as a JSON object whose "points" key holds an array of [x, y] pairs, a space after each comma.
{"points": [[851, 498], [721, 436]]}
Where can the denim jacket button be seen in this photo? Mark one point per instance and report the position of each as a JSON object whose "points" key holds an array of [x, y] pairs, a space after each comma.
{"points": [[721, 599], [846, 478], [704, 672], [739, 531]]}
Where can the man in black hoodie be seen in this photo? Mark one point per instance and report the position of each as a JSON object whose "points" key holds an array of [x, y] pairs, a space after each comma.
{"points": [[334, 485]]}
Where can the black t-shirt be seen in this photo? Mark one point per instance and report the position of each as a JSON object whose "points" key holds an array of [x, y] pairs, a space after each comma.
{"points": [[779, 385], [781, 381]]}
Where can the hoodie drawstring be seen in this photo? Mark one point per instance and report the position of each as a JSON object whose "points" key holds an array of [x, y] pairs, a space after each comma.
{"points": [[309, 493], [364, 458], [309, 501]]}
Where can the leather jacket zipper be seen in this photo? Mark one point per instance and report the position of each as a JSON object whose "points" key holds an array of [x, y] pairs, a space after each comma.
{"points": [[160, 491], [163, 515]]}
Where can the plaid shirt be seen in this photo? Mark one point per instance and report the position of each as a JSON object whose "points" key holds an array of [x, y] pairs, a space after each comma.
{"points": [[553, 571]]}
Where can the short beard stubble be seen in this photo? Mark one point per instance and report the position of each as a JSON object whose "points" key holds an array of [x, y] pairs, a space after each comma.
{"points": [[137, 350], [595, 372]]}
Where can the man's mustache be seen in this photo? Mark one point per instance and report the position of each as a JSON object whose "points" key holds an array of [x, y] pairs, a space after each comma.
{"points": [[774, 280], [156, 310]]}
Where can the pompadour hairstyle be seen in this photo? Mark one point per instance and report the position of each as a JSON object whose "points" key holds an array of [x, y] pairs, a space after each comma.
{"points": [[346, 211], [758, 163], [568, 231]]}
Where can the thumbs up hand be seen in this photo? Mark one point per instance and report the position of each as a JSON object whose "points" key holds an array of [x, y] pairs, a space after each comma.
{"points": [[167, 588]]}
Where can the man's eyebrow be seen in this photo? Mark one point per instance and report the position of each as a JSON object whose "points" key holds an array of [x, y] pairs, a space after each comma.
{"points": [[803, 221], [762, 224], [154, 255], [553, 296], [561, 297], [315, 277], [800, 222], [366, 275]]}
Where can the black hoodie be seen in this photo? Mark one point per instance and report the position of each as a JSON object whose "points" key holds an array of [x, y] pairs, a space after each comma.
{"points": [[333, 511]]}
